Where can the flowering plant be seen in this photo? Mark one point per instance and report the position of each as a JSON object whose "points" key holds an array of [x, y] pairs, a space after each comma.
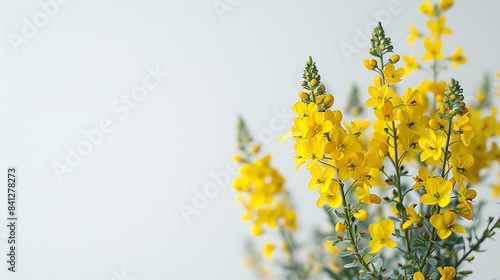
{"points": [[398, 190]]}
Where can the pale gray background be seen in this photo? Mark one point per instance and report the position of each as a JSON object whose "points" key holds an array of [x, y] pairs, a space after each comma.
{"points": [[118, 210]]}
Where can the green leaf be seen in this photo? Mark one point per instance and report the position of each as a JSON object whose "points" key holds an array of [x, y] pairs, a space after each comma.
{"points": [[345, 254], [432, 261], [375, 258], [351, 265]]}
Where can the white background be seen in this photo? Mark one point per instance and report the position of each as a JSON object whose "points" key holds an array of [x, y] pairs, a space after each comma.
{"points": [[118, 209]]}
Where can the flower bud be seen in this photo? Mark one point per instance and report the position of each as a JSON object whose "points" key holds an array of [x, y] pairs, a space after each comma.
{"points": [[326, 100], [434, 124], [237, 158], [361, 215], [255, 149], [313, 82], [441, 108], [303, 95], [340, 227], [394, 58]]}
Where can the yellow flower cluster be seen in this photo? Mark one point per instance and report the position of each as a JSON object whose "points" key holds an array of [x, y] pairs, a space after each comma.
{"points": [[261, 193], [433, 43], [440, 140], [425, 149]]}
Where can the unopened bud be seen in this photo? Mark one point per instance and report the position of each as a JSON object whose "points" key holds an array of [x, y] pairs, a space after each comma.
{"points": [[434, 124], [394, 58], [340, 227], [470, 258], [237, 158], [303, 95]]}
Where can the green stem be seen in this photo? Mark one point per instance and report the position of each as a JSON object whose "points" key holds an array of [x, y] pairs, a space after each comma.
{"points": [[401, 194], [350, 233], [478, 243]]}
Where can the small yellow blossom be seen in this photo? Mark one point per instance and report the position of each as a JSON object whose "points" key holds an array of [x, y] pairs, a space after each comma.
{"points": [[330, 195], [365, 197], [410, 64], [433, 49], [432, 145], [320, 178], [268, 250], [457, 58], [414, 34], [391, 75], [413, 217], [445, 225], [381, 233], [437, 27], [461, 165], [447, 273], [427, 8], [437, 192]]}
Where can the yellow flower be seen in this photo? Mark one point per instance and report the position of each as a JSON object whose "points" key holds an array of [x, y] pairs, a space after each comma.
{"points": [[432, 145], [303, 110], [445, 4], [391, 75], [465, 208], [385, 113], [381, 233], [457, 58], [418, 276], [320, 178], [426, 8], [302, 129], [411, 64], [437, 27], [447, 273], [361, 215], [312, 150], [413, 217], [370, 64], [437, 192], [268, 250], [433, 49], [341, 144], [377, 96], [461, 165], [321, 125], [445, 225], [365, 197], [421, 178], [351, 166], [330, 195], [414, 34]]}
